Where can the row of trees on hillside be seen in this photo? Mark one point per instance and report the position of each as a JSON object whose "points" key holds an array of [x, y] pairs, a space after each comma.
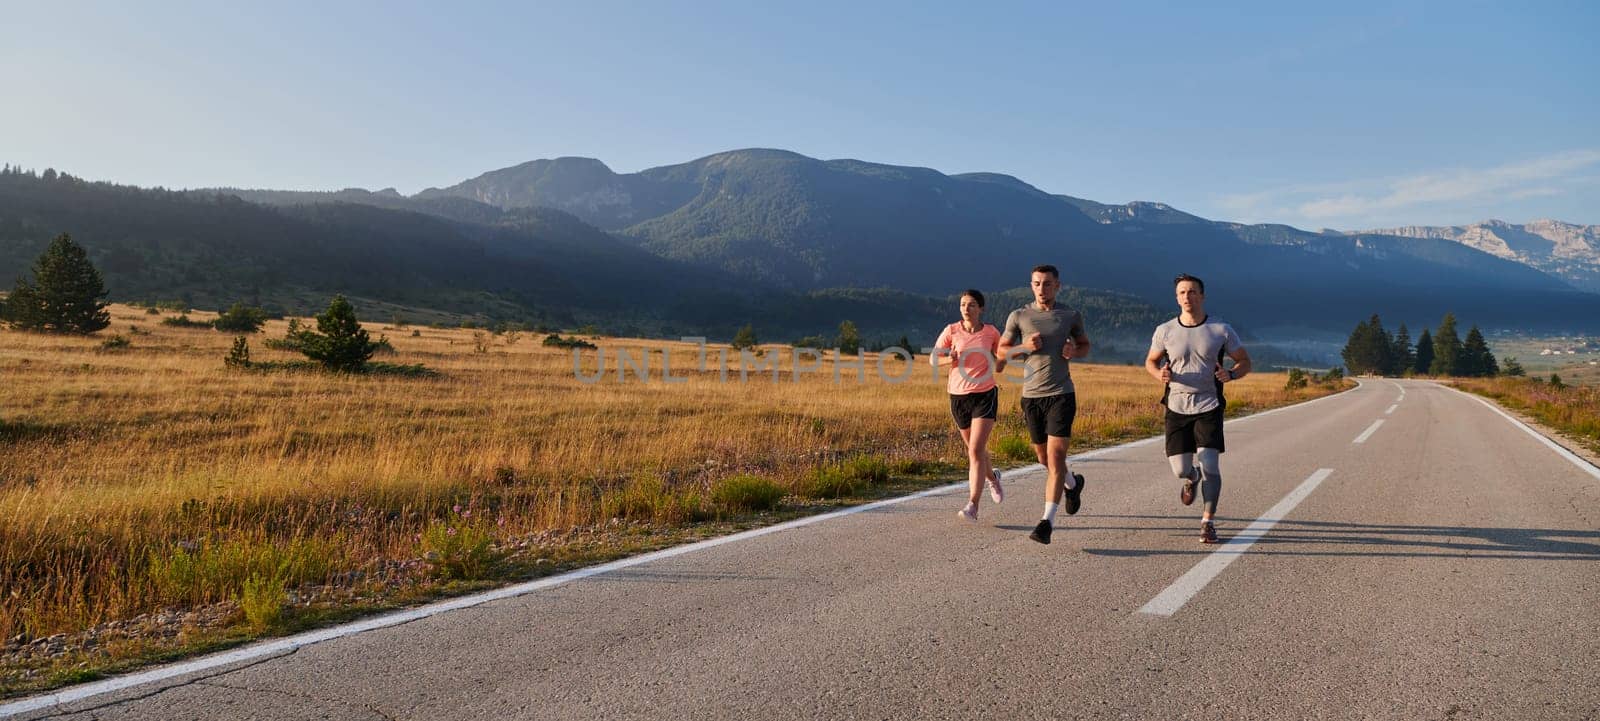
{"points": [[1442, 352]]}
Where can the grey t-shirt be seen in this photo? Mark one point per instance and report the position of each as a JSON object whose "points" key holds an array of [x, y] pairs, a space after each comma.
{"points": [[1045, 373], [1195, 352]]}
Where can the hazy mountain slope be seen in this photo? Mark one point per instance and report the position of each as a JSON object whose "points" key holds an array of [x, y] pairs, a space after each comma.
{"points": [[1567, 251]]}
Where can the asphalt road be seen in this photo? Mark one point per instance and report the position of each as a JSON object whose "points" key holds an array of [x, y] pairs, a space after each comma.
{"points": [[1447, 566]]}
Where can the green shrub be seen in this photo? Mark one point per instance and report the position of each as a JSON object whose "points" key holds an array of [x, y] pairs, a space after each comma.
{"points": [[868, 469], [746, 493], [408, 370], [261, 598], [116, 342], [648, 499], [240, 319], [829, 482], [207, 571], [556, 341], [291, 340], [183, 321], [1297, 379], [458, 547], [910, 467], [1014, 448]]}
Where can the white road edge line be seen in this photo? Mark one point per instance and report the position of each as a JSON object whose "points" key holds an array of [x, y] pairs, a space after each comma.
{"points": [[283, 645], [1575, 459], [1368, 432], [1391, 409], [1175, 596]]}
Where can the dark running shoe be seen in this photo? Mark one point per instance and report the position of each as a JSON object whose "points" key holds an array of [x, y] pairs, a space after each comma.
{"points": [[1041, 532], [1208, 532], [1074, 495], [1186, 494]]}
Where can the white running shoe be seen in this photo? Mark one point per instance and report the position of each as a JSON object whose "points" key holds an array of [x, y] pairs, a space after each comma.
{"points": [[995, 491], [968, 514]]}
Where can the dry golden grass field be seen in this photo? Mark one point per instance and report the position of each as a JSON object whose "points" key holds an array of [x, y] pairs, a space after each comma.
{"points": [[140, 482]]}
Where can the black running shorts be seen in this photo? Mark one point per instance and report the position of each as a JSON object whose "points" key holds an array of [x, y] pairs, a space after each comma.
{"points": [[1185, 433], [966, 407], [1050, 416]]}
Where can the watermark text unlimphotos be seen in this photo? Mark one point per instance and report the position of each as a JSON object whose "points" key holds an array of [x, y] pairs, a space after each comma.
{"points": [[634, 364]]}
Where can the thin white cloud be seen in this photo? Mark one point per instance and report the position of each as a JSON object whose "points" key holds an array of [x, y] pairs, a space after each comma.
{"points": [[1543, 191], [1363, 202]]}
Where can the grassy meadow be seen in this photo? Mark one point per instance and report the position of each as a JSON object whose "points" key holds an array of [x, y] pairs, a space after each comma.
{"points": [[147, 479]]}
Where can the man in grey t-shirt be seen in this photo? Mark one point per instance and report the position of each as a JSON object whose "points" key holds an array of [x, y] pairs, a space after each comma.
{"points": [[1048, 336], [1186, 354]]}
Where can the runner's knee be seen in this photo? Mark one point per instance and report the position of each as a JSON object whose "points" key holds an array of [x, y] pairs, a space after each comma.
{"points": [[1211, 460], [1183, 464]]}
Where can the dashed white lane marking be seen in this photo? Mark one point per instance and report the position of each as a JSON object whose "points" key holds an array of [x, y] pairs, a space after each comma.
{"points": [[1169, 601], [284, 645], [1368, 432]]}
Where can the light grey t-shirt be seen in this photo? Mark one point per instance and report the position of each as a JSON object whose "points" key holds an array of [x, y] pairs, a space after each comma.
{"points": [[1195, 352], [1045, 373]]}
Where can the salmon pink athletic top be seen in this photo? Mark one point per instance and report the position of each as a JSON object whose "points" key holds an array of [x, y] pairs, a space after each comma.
{"points": [[972, 354]]}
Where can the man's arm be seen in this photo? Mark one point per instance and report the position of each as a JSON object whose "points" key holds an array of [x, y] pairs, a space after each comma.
{"points": [[1077, 346], [1155, 367], [1241, 366], [1011, 338]]}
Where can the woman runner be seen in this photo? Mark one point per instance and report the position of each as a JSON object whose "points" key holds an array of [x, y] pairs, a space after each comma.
{"points": [[969, 349]]}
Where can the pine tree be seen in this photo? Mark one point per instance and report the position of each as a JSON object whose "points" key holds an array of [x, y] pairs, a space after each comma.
{"points": [[1446, 348], [746, 338], [1369, 349], [1424, 361], [1355, 349], [67, 294], [339, 343], [849, 338], [1404, 357], [1513, 368], [1382, 347], [239, 356], [1476, 359]]}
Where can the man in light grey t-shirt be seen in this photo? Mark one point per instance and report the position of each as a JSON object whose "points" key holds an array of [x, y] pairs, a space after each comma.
{"points": [[1186, 354], [1048, 336]]}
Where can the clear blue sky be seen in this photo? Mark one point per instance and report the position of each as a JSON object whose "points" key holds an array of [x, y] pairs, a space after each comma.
{"points": [[1345, 117]]}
